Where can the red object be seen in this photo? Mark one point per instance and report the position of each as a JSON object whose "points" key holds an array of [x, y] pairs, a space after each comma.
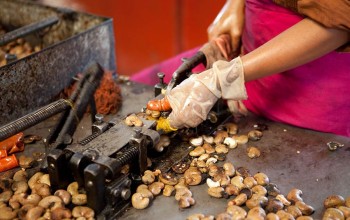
{"points": [[13, 144], [8, 163], [3, 153]]}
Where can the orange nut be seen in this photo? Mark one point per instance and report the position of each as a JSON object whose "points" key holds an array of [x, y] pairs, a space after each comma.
{"points": [[13, 144], [8, 163], [3, 153], [161, 105]]}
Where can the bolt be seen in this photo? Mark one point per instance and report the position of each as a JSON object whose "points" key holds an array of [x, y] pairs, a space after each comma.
{"points": [[89, 183], [161, 77], [126, 194], [137, 131], [99, 118]]}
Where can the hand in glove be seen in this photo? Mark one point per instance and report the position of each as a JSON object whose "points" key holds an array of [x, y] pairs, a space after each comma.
{"points": [[230, 20], [192, 100]]}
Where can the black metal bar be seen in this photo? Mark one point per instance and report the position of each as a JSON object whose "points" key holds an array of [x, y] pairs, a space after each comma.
{"points": [[33, 118], [28, 29], [57, 167], [95, 187], [95, 73]]}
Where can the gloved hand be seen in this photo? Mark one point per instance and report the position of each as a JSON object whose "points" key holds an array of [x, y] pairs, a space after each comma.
{"points": [[230, 20], [192, 100], [218, 49]]}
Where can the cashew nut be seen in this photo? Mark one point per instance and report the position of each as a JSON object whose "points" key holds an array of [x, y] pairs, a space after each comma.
{"points": [[216, 192], [229, 169], [61, 213], [238, 200], [220, 136], [35, 212], [34, 179], [156, 188], [79, 199], [208, 148], [255, 135], [221, 149], [41, 189], [73, 188], [283, 199], [256, 200], [241, 139], [294, 211], [334, 201], [198, 141], [273, 205], [333, 213], [51, 202], [6, 195], [168, 190], [208, 139], [7, 213], [236, 212], [193, 176], [182, 192], [197, 152], [253, 152], [230, 142], [256, 213], [231, 128], [186, 201], [83, 211], [211, 183], [304, 208], [64, 195], [261, 179], [133, 120], [20, 175], [164, 141], [295, 195], [148, 177]]}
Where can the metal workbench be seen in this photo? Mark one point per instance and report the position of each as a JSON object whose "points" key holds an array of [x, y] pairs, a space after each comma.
{"points": [[291, 157]]}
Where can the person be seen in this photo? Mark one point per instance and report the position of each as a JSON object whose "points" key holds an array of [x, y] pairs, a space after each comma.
{"points": [[294, 65]]}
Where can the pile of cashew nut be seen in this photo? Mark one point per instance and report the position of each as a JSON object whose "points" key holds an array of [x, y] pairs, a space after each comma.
{"points": [[245, 191], [337, 207], [27, 199], [19, 47]]}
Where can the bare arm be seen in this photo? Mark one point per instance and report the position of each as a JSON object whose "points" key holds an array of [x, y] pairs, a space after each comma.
{"points": [[300, 44]]}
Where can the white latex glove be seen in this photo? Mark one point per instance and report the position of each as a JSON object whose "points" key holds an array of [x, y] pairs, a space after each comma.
{"points": [[192, 100]]}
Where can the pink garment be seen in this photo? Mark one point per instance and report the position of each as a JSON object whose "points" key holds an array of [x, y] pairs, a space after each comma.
{"points": [[314, 96]]}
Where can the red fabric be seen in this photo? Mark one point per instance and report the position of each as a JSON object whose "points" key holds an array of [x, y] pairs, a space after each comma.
{"points": [[314, 96]]}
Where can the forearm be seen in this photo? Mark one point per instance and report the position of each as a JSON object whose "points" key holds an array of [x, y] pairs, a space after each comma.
{"points": [[300, 44]]}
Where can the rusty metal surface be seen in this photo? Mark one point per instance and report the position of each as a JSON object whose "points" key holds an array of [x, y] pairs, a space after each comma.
{"points": [[291, 157], [70, 46]]}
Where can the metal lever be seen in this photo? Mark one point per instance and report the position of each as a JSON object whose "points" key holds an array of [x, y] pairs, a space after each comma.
{"points": [[28, 29]]}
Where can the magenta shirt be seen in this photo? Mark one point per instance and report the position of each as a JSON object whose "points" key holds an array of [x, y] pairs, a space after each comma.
{"points": [[314, 96]]}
